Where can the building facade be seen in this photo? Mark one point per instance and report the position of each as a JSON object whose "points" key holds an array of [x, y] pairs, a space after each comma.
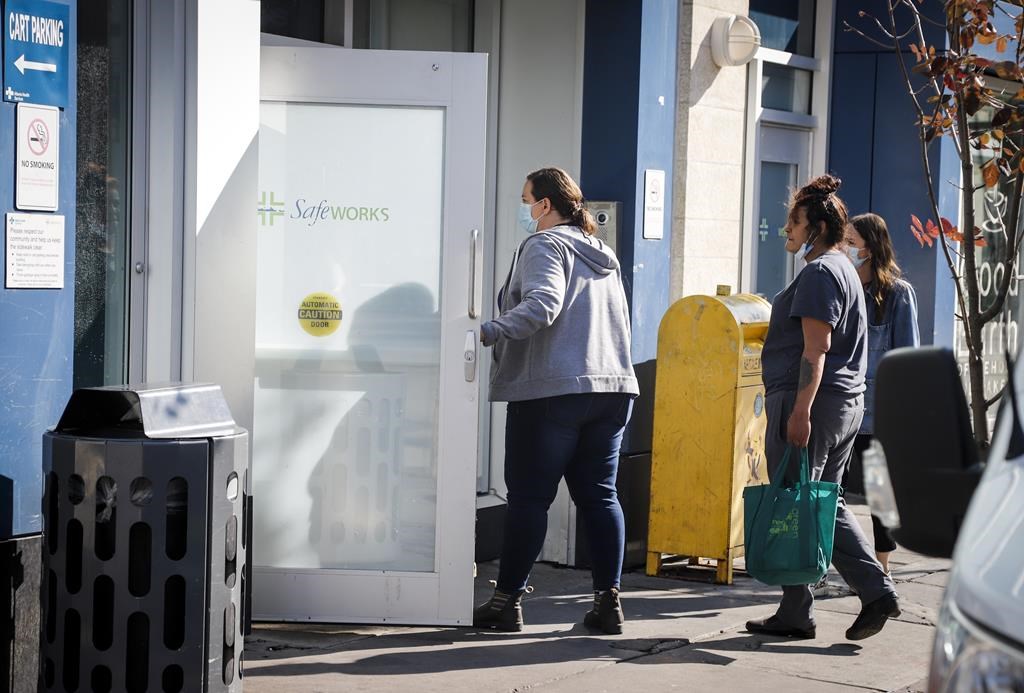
{"points": [[225, 165]]}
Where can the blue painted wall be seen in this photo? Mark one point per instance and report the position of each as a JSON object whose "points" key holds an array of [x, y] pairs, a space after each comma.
{"points": [[629, 126], [873, 147], [36, 331]]}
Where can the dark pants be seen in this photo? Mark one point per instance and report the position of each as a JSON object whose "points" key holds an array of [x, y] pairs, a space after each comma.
{"points": [[576, 437], [884, 543], [835, 420]]}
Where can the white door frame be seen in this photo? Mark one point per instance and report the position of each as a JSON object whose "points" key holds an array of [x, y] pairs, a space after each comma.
{"points": [[457, 83]]}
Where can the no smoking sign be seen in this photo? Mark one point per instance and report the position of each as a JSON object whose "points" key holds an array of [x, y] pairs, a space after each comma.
{"points": [[38, 170], [38, 137]]}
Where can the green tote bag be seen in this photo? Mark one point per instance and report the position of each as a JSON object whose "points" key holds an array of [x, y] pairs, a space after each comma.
{"points": [[788, 531]]}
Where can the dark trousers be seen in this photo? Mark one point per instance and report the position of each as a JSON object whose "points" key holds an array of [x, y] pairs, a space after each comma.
{"points": [[576, 437], [884, 543], [835, 420]]}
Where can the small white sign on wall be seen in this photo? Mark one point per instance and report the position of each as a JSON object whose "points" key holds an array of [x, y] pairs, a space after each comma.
{"points": [[654, 204], [38, 160], [34, 257]]}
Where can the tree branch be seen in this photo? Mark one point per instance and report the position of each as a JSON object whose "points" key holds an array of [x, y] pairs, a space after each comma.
{"points": [[864, 36], [996, 397], [926, 162]]}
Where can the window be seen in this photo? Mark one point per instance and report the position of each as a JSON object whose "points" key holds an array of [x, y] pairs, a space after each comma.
{"points": [[411, 25], [786, 25], [785, 88], [101, 217]]}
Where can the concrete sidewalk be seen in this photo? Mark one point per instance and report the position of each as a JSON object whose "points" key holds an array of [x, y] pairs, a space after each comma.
{"points": [[680, 635]]}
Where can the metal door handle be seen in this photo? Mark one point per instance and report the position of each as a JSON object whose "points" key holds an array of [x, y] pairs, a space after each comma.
{"points": [[469, 356], [474, 298]]}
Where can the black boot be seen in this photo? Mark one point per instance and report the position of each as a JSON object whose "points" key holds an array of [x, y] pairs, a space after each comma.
{"points": [[606, 615], [873, 616], [503, 612]]}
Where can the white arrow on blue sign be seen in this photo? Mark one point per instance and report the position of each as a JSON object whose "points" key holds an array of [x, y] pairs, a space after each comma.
{"points": [[36, 43]]}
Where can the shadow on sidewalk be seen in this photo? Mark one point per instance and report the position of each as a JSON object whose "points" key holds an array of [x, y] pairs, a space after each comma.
{"points": [[485, 650], [709, 652]]}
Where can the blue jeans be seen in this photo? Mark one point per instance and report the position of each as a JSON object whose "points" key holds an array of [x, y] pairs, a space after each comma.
{"points": [[571, 436]]}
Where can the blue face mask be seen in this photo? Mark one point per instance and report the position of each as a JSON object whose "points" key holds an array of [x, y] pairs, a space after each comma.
{"points": [[526, 221], [855, 257], [804, 249]]}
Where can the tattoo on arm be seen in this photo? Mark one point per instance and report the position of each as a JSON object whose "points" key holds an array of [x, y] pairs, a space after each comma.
{"points": [[806, 373]]}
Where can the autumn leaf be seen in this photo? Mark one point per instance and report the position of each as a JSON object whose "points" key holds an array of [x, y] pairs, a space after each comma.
{"points": [[980, 242], [947, 226], [986, 39], [972, 100], [1002, 117], [990, 172], [1007, 69], [916, 224], [1001, 44], [931, 229], [983, 139]]}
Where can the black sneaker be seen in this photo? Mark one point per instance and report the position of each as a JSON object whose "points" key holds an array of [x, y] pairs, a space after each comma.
{"points": [[873, 616], [773, 626], [502, 612], [607, 614]]}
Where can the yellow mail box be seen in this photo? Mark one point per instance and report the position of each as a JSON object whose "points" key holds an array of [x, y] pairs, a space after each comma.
{"points": [[709, 425]]}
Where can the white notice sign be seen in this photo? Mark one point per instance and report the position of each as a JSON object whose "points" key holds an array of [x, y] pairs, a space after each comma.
{"points": [[35, 251], [654, 204], [38, 163]]}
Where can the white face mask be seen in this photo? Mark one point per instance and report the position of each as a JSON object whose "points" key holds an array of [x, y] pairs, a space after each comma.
{"points": [[855, 257], [806, 248]]}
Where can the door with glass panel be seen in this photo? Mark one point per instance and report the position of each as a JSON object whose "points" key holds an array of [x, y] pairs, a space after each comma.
{"points": [[783, 166], [370, 208]]}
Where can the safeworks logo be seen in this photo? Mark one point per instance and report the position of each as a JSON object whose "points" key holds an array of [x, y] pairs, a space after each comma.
{"points": [[269, 210], [313, 212]]}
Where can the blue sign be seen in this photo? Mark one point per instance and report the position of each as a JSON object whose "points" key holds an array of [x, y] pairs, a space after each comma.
{"points": [[36, 38]]}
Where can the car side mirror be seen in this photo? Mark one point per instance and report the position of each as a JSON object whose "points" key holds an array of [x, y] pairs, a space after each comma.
{"points": [[923, 425]]}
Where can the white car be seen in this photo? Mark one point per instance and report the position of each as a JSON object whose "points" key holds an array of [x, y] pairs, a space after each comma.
{"points": [[952, 503]]}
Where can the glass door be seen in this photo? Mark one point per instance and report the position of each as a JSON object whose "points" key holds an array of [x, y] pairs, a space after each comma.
{"points": [[783, 166], [365, 430]]}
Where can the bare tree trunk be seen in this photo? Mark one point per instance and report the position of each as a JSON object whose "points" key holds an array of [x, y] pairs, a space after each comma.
{"points": [[973, 323]]}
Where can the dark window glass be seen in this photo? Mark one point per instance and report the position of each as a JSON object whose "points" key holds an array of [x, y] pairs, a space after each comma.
{"points": [[301, 19], [101, 217], [413, 25], [777, 182], [786, 25], [785, 88]]}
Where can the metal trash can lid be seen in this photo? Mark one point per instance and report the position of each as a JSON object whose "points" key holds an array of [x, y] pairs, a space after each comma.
{"points": [[151, 410]]}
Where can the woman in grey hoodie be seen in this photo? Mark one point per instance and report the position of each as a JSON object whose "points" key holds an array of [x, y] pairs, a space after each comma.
{"points": [[562, 362]]}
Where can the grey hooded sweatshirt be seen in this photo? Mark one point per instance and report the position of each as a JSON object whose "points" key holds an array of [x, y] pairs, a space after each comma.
{"points": [[563, 326]]}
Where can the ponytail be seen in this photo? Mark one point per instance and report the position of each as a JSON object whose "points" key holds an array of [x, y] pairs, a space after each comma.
{"points": [[582, 218]]}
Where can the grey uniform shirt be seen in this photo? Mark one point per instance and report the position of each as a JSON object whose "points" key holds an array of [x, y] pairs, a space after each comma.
{"points": [[827, 289]]}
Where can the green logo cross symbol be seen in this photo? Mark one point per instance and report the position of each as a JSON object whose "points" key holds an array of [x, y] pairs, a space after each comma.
{"points": [[269, 210]]}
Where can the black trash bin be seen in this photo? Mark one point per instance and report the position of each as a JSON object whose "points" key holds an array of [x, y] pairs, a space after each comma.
{"points": [[144, 561]]}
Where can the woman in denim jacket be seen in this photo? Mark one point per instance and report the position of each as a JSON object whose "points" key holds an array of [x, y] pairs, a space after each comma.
{"points": [[892, 323]]}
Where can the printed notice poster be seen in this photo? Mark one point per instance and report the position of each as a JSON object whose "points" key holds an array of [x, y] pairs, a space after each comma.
{"points": [[35, 251], [654, 204], [38, 168]]}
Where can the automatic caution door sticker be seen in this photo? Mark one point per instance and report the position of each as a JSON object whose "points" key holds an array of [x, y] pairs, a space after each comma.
{"points": [[320, 314]]}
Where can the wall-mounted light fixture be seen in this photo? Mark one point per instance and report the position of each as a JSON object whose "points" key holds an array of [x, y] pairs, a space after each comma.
{"points": [[734, 40]]}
